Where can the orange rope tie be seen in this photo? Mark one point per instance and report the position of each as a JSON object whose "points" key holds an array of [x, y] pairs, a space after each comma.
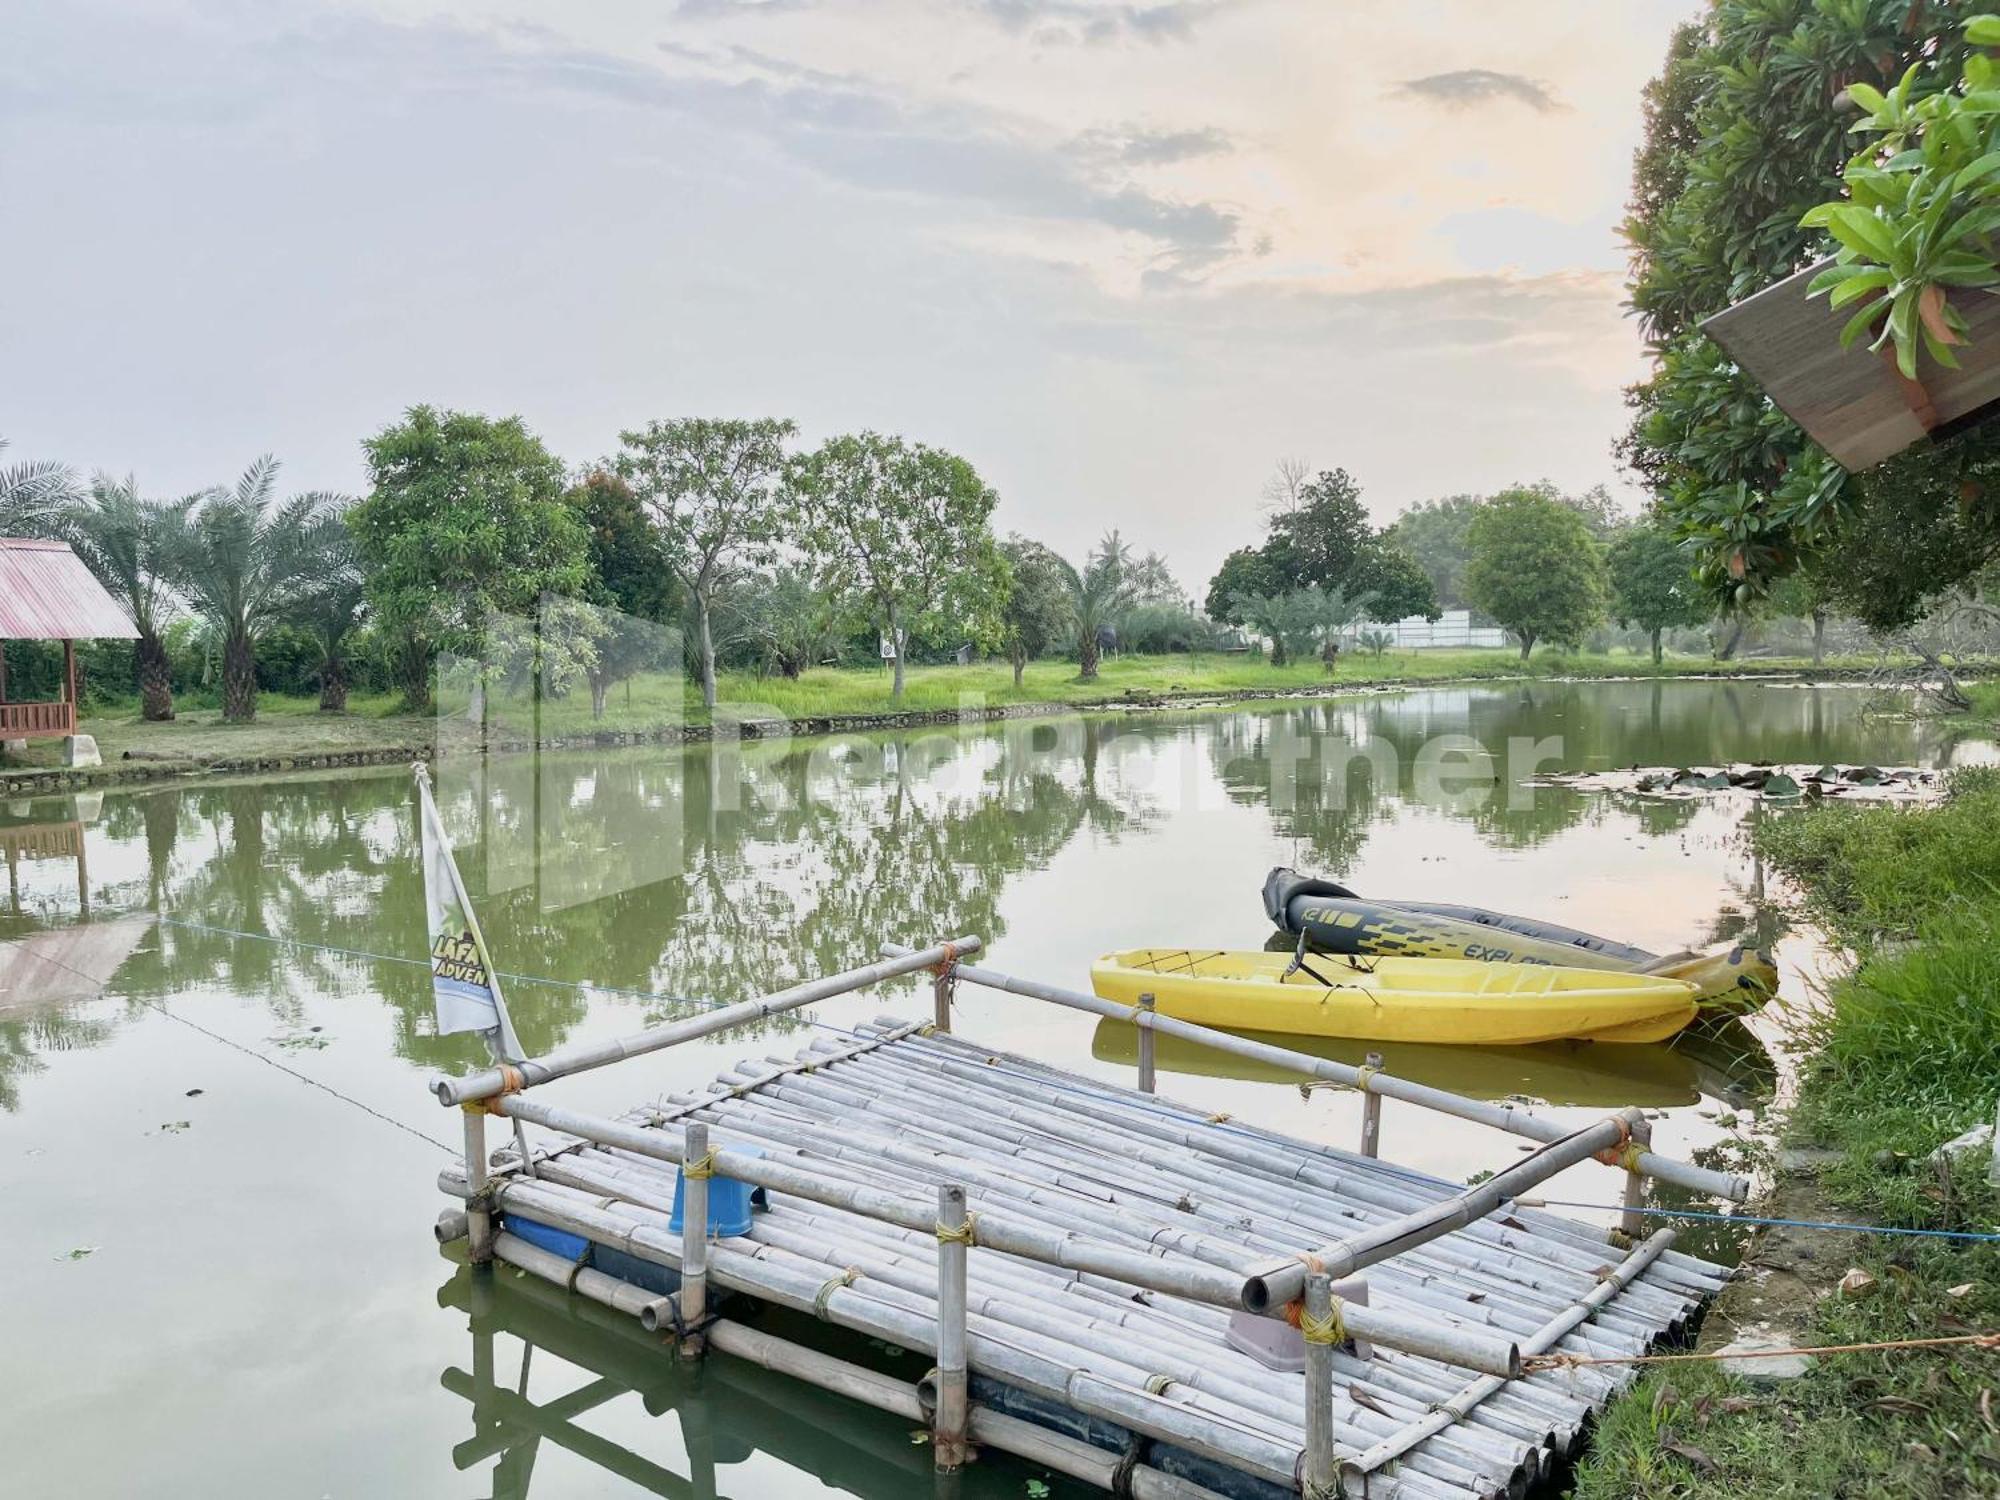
{"points": [[512, 1079], [949, 962], [1614, 1156], [1534, 1362], [1295, 1309]]}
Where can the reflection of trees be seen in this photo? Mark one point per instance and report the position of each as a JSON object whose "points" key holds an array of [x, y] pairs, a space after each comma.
{"points": [[50, 1029], [715, 873]]}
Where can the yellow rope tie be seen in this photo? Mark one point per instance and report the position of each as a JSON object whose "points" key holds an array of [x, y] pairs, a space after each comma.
{"points": [[1630, 1160], [833, 1284], [1219, 1118], [700, 1170], [966, 1234], [1156, 1385], [1330, 1329], [1361, 1076], [929, 1028]]}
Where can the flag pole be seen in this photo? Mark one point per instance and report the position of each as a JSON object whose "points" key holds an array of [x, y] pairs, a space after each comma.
{"points": [[507, 1048]]}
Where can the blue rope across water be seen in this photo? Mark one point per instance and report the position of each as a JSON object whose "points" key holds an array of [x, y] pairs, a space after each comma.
{"points": [[1827, 1224]]}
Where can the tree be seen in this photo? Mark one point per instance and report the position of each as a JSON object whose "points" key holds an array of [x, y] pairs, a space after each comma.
{"points": [[789, 621], [628, 557], [903, 528], [1319, 533], [713, 487], [634, 590], [1037, 612], [329, 612], [1303, 621], [1652, 582], [1153, 583], [33, 496], [463, 521], [1433, 533], [1535, 569], [242, 559], [122, 538], [1747, 131], [1098, 593], [1245, 573]]}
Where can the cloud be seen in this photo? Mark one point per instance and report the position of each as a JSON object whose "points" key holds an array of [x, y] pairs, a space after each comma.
{"points": [[712, 10], [1098, 23], [1143, 146], [1468, 88]]}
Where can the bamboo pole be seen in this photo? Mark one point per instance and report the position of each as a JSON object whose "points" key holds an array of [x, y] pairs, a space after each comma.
{"points": [[1455, 1409], [1500, 1117], [1135, 1229], [1282, 1284], [942, 988], [1632, 1222], [583, 1057], [697, 1167], [1146, 1069], [1330, 1165], [1371, 1111], [664, 1143], [954, 1233], [905, 1103], [478, 1220], [1069, 1456], [1321, 1471]]}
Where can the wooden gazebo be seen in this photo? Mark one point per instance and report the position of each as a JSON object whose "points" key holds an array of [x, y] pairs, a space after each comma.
{"points": [[47, 594]]}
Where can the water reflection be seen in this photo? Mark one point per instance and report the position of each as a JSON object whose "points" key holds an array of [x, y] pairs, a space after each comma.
{"points": [[1719, 1059], [722, 870], [547, 1369]]}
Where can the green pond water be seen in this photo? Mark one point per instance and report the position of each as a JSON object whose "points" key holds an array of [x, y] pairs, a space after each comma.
{"points": [[238, 1133]]}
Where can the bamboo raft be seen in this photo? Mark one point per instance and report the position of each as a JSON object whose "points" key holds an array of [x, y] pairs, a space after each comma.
{"points": [[1074, 1255]]}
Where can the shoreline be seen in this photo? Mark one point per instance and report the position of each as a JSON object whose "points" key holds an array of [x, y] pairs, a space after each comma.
{"points": [[137, 770]]}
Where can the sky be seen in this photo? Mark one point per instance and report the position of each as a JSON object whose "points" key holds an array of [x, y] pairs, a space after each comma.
{"points": [[1124, 255]]}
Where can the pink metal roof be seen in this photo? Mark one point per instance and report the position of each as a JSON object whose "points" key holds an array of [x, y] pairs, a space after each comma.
{"points": [[47, 594]]}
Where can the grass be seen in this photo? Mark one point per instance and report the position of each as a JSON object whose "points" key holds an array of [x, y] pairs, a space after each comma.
{"points": [[1904, 1054], [646, 704], [1914, 1424]]}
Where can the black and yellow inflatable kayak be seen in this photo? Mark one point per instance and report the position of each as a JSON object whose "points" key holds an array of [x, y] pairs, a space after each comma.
{"points": [[1333, 919]]}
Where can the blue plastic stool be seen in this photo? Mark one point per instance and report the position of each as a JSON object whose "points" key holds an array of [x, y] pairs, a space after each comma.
{"points": [[730, 1202]]}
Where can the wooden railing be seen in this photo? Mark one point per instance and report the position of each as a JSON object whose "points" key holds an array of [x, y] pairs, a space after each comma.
{"points": [[34, 721]]}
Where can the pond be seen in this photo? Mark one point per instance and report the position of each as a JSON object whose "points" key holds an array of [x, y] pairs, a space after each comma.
{"points": [[219, 1176]]}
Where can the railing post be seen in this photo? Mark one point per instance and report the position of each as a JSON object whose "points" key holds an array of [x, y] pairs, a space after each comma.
{"points": [[697, 1166], [954, 1232], [941, 992], [478, 1218], [1321, 1479], [1145, 1022], [1632, 1223], [1371, 1107]]}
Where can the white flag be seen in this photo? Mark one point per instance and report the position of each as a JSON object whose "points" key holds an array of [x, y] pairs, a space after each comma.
{"points": [[464, 987]]}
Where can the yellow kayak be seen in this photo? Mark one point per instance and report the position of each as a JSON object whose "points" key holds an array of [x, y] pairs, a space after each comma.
{"points": [[1442, 1000]]}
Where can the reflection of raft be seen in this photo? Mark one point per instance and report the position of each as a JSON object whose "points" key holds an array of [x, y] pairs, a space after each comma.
{"points": [[1435, 1000], [1561, 1073], [1333, 919]]}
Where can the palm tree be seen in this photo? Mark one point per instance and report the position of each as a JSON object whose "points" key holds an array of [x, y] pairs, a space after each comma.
{"points": [[122, 537], [32, 495], [330, 613], [1098, 595], [242, 558]]}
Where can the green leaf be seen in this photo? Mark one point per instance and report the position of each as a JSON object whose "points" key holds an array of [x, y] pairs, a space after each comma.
{"points": [[1860, 323], [1867, 96], [1862, 232], [1983, 31]]}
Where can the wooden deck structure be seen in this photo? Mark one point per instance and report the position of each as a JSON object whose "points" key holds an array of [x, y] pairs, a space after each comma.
{"points": [[1091, 1268]]}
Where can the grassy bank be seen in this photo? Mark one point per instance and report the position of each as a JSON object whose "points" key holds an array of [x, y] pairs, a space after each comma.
{"points": [[1904, 1054], [652, 702]]}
